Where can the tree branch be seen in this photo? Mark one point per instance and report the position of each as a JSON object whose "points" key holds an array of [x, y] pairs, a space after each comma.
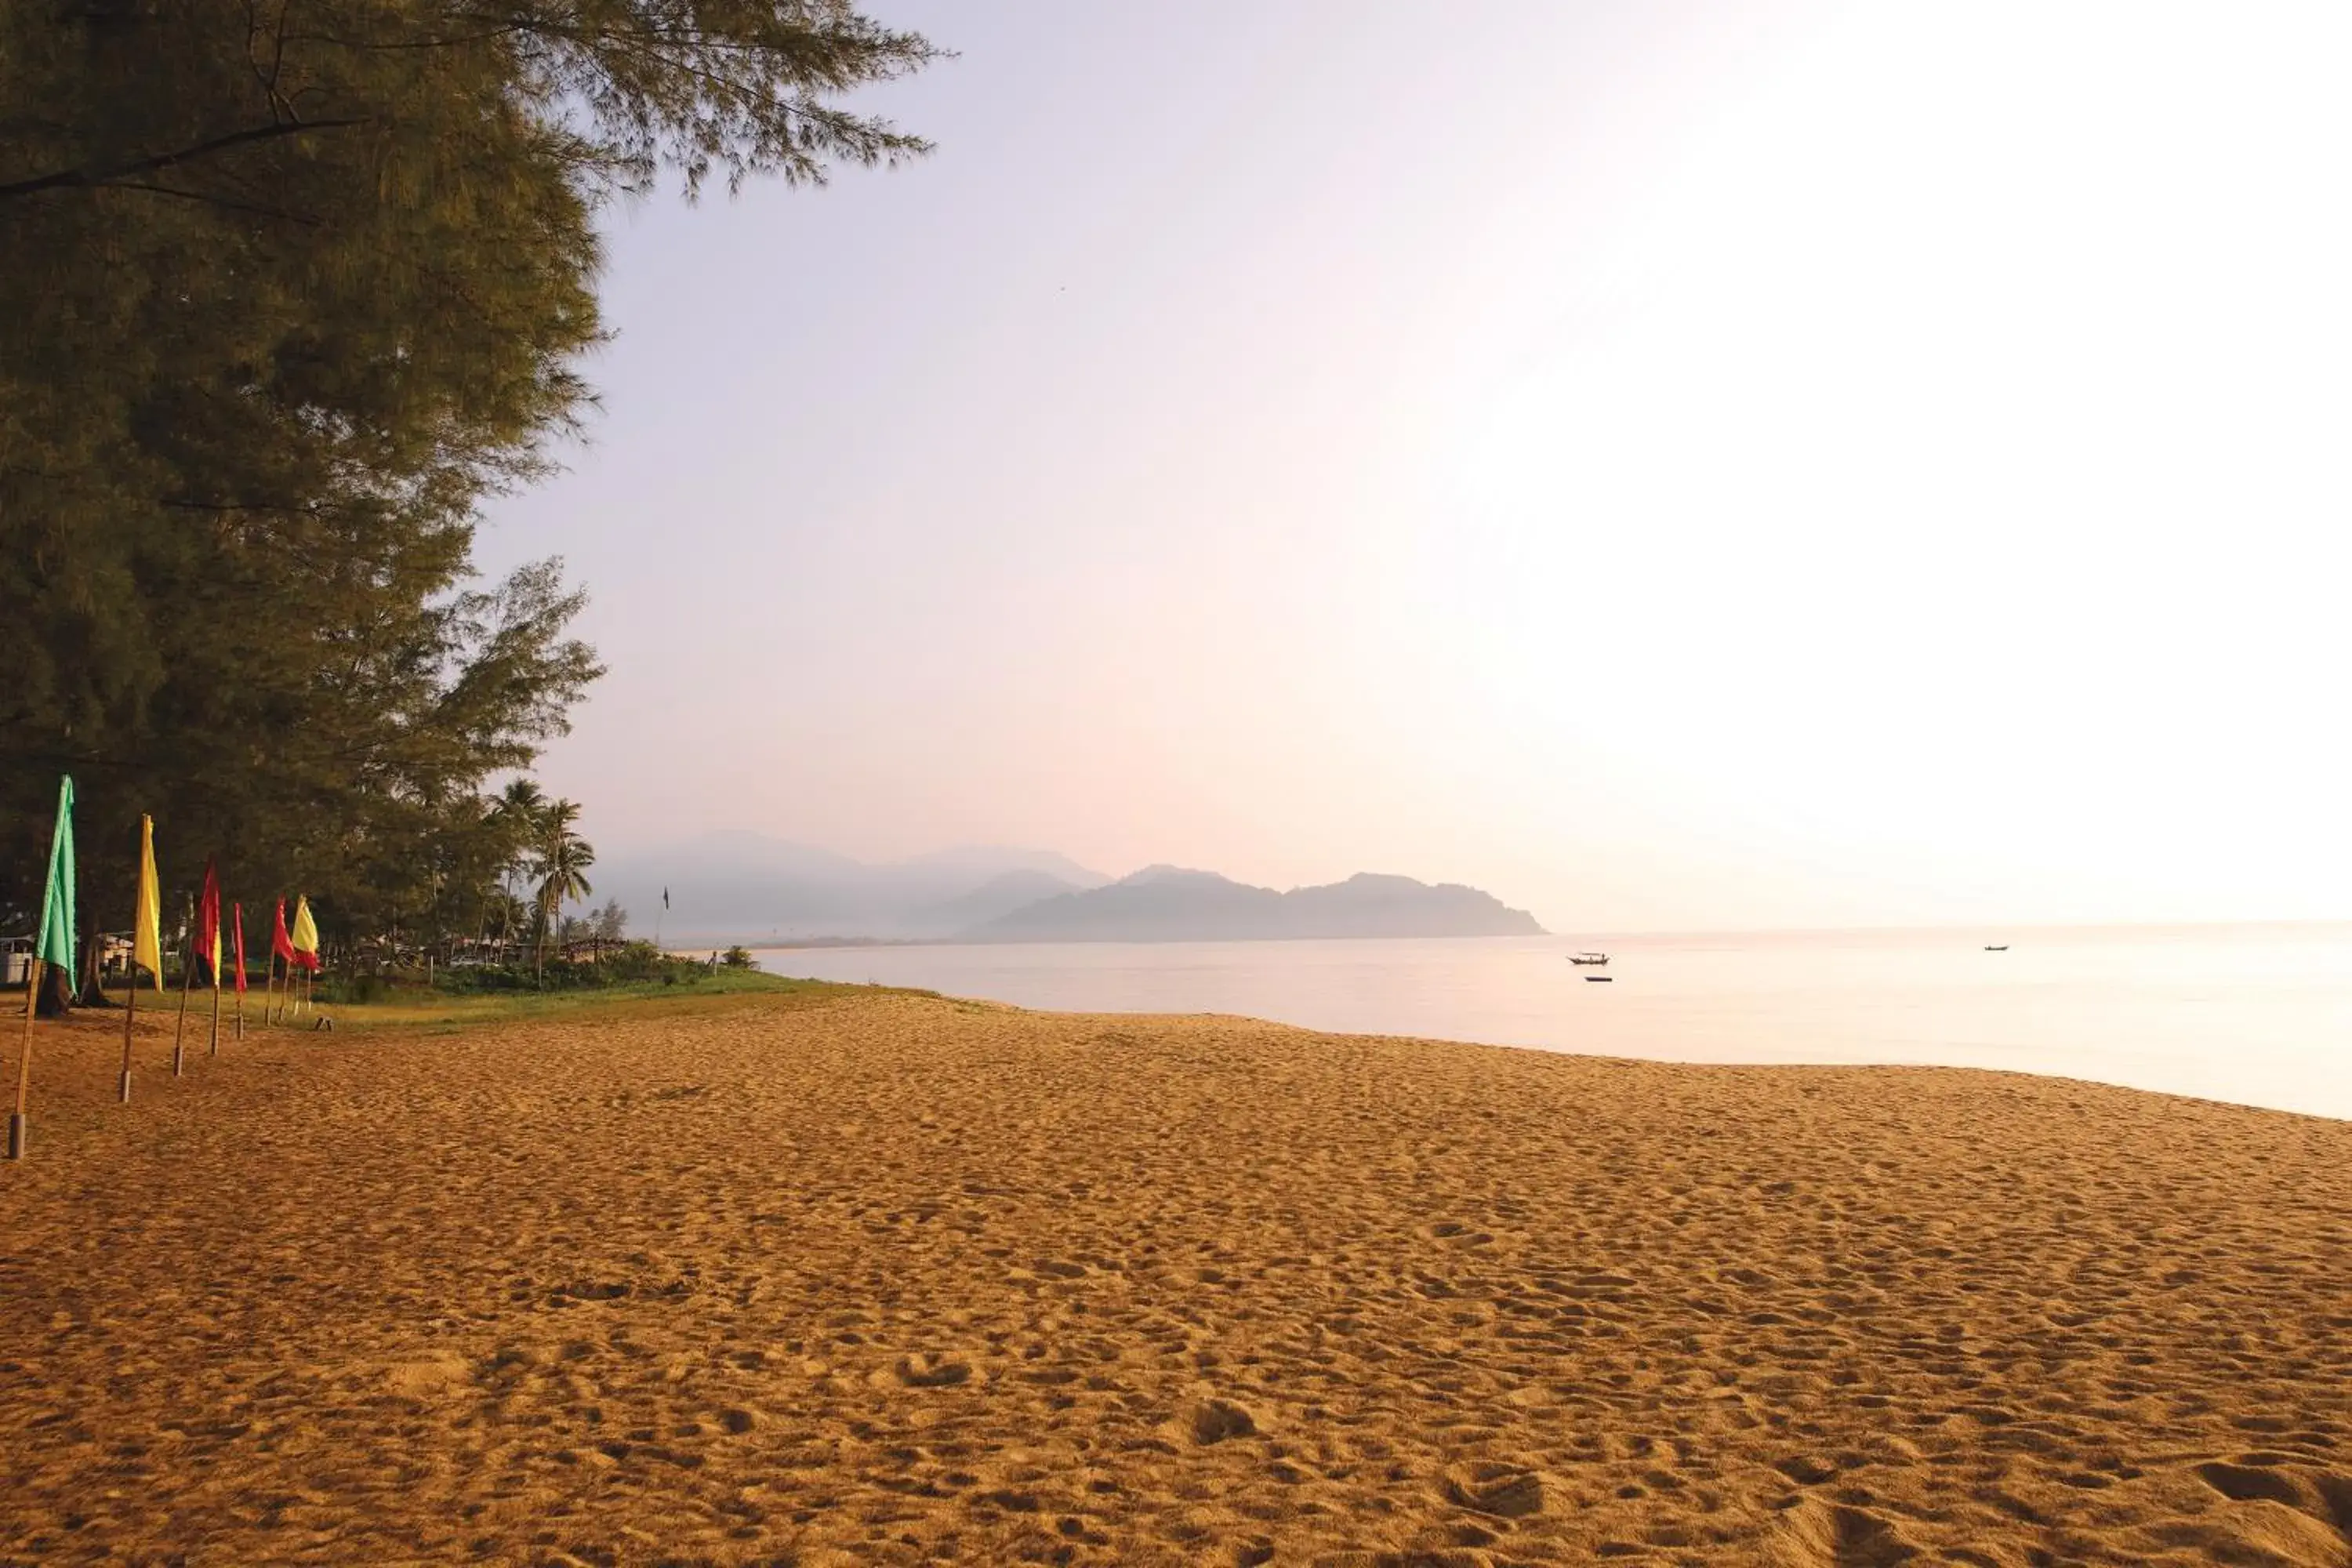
{"points": [[213, 201], [88, 179]]}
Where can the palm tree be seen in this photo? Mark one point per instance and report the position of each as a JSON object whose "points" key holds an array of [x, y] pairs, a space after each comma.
{"points": [[504, 917], [518, 814], [521, 799], [561, 863]]}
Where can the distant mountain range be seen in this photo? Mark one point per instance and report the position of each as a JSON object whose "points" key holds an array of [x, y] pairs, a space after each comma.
{"points": [[748, 888], [1167, 904]]}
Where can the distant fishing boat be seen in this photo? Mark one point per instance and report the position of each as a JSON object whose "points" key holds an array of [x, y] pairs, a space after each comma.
{"points": [[2002, 947], [1604, 979], [1588, 958]]}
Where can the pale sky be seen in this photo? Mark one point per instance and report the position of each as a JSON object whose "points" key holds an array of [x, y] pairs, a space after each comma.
{"points": [[1674, 466]]}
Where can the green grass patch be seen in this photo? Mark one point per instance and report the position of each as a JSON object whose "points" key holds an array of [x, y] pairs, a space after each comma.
{"points": [[416, 1007]]}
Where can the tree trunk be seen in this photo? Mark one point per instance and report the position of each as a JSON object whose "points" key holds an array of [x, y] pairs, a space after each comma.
{"points": [[93, 976], [56, 992]]}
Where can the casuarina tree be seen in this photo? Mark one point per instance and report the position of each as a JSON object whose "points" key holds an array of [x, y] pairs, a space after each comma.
{"points": [[288, 289]]}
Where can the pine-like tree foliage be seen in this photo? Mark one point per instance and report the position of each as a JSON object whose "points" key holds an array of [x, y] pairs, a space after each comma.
{"points": [[286, 288]]}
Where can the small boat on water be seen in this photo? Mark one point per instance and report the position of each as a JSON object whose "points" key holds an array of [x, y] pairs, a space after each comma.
{"points": [[1604, 979], [1588, 958], [2002, 947]]}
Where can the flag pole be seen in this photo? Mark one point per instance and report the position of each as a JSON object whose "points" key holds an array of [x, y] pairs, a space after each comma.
{"points": [[187, 972], [130, 1012], [213, 1049], [24, 1065]]}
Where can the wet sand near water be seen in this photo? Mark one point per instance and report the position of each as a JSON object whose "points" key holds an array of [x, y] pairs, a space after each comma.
{"points": [[878, 1278]]}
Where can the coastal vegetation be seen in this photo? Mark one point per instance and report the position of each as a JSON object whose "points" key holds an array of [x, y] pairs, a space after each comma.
{"points": [[291, 290], [625, 972]]}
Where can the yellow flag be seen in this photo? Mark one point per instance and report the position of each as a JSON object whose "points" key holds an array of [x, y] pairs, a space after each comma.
{"points": [[146, 925], [305, 935]]}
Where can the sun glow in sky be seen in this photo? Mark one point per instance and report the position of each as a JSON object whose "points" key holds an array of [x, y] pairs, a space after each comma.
{"points": [[1672, 466]]}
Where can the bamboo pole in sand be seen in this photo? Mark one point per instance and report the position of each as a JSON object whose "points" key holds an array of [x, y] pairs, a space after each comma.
{"points": [[180, 1030], [130, 1012], [24, 1065]]}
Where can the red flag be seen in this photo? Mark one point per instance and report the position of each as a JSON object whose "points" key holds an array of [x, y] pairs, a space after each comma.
{"points": [[236, 930], [208, 922], [281, 945]]}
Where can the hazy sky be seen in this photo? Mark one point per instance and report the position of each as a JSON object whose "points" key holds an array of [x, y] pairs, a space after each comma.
{"points": [[1673, 465]]}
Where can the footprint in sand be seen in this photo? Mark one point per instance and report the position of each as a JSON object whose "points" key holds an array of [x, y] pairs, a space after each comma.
{"points": [[1214, 1420], [2303, 1515], [1834, 1535], [934, 1372], [1808, 1470], [1498, 1491], [2248, 1483], [427, 1375]]}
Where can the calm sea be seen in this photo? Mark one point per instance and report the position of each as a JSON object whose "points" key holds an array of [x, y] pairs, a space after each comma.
{"points": [[2255, 1015]]}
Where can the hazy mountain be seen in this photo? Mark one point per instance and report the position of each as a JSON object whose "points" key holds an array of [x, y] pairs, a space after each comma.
{"points": [[983, 861], [1369, 904], [746, 886], [993, 899], [1167, 904], [749, 887], [1159, 903]]}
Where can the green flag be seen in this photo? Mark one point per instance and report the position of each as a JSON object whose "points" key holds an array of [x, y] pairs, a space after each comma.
{"points": [[53, 942]]}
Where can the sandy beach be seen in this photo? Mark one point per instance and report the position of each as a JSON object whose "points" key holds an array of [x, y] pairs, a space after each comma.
{"points": [[876, 1279]]}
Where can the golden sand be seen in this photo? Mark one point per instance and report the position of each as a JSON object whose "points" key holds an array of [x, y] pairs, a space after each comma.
{"points": [[883, 1280]]}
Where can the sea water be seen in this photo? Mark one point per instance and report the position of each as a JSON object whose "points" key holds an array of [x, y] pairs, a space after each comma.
{"points": [[2252, 1015]]}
